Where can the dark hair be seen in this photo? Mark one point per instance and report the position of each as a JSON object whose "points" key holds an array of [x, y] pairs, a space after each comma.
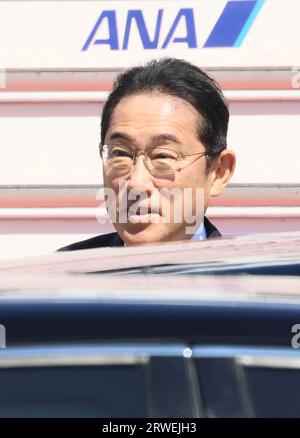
{"points": [[176, 77]]}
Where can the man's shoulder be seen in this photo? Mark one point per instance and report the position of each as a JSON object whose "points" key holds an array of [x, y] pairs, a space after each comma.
{"points": [[104, 240], [211, 230]]}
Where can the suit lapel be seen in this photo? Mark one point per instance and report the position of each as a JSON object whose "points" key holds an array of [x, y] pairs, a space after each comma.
{"points": [[211, 230]]}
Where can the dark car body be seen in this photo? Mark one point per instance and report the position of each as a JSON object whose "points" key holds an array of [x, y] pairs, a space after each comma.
{"points": [[166, 345]]}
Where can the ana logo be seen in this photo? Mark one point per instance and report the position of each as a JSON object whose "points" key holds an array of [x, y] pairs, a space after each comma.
{"points": [[230, 29]]}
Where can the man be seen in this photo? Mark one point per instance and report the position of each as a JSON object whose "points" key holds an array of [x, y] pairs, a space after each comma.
{"points": [[163, 134]]}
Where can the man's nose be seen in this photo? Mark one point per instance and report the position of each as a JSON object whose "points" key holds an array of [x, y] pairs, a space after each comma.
{"points": [[140, 177]]}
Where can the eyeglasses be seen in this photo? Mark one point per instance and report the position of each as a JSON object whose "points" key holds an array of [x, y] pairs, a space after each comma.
{"points": [[160, 161]]}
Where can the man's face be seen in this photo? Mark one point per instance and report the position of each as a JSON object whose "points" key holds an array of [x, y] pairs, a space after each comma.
{"points": [[156, 121]]}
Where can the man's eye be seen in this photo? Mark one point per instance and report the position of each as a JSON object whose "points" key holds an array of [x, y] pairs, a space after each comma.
{"points": [[115, 153], [164, 155]]}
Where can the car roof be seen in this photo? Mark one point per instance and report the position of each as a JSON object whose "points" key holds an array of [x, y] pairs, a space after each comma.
{"points": [[274, 249]]}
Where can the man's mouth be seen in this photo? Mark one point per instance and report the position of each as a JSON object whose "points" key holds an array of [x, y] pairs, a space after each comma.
{"points": [[143, 215]]}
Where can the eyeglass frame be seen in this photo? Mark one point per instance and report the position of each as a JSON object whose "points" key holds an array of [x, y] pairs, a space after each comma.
{"points": [[180, 157]]}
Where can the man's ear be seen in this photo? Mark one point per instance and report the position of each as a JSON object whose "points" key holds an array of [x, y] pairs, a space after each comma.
{"points": [[221, 171]]}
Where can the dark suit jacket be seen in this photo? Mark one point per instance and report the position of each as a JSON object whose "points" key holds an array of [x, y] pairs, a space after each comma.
{"points": [[113, 239]]}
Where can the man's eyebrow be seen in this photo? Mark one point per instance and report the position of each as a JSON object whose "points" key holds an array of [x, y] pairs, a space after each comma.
{"points": [[165, 137], [154, 139], [121, 136]]}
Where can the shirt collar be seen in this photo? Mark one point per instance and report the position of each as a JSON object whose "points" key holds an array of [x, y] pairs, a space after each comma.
{"points": [[200, 233]]}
